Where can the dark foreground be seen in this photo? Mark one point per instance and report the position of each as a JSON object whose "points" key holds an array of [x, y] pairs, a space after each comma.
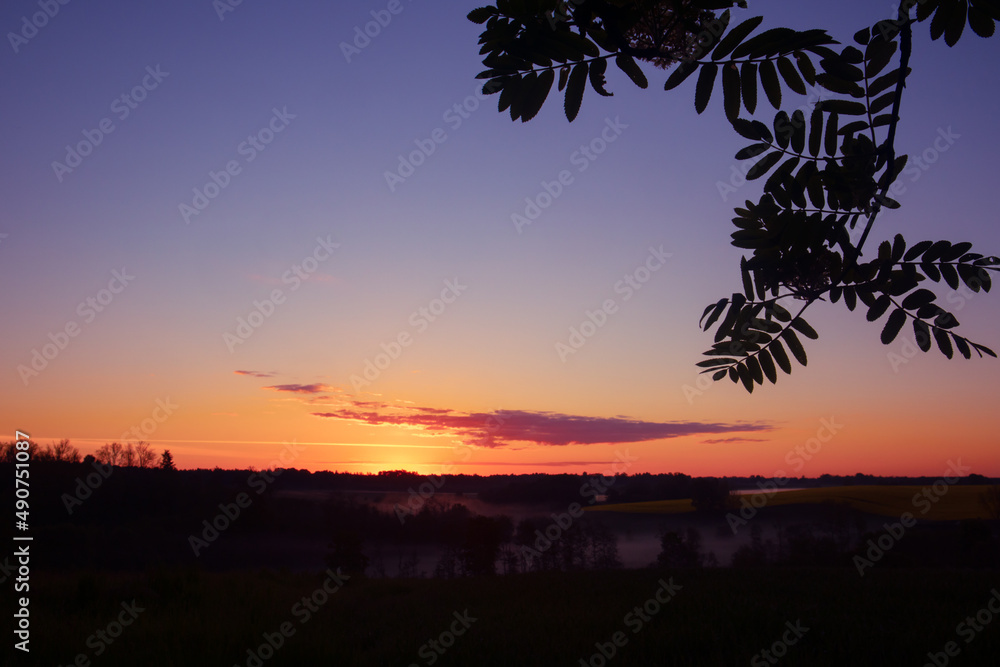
{"points": [[712, 617]]}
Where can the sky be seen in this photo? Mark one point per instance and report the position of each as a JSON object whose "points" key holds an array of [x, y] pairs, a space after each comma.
{"points": [[213, 238]]}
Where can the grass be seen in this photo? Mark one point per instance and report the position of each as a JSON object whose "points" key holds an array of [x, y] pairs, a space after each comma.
{"points": [[719, 617], [946, 503]]}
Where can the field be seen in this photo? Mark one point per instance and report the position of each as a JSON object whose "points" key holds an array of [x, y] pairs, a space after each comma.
{"points": [[716, 617], [946, 503]]}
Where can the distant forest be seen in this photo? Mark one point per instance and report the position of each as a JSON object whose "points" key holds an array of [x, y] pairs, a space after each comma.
{"points": [[89, 514]]}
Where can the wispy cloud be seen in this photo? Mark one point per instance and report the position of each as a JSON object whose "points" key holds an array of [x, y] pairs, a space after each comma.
{"points": [[715, 441], [502, 428], [315, 388], [255, 374]]}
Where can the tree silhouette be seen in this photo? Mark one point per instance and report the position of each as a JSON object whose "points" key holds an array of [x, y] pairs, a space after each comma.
{"points": [[826, 173], [167, 461]]}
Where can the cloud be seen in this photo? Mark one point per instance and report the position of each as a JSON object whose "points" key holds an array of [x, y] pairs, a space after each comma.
{"points": [[315, 388], [715, 441], [500, 429], [256, 374]]}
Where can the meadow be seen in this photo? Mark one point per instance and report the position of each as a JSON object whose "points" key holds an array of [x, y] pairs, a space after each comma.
{"points": [[715, 617], [945, 503]]}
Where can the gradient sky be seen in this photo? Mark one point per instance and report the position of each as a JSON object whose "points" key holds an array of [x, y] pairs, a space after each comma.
{"points": [[156, 356]]}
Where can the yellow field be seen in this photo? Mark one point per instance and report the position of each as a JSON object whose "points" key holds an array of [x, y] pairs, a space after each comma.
{"points": [[946, 503]]}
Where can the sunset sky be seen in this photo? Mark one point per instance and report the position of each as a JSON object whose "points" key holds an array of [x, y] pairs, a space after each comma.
{"points": [[153, 292]]}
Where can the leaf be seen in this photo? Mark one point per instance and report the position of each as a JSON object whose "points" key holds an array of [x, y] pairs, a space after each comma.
{"points": [[957, 250], [791, 77], [747, 129], [769, 80], [780, 313], [806, 67], [763, 165], [717, 361], [918, 298], [815, 133], [878, 54], [631, 68], [792, 341], [536, 95], [736, 304], [957, 11], [597, 81], [748, 86], [922, 334], [878, 308], [982, 349], [683, 71], [731, 91], [803, 328], [735, 36], [884, 82], [718, 308], [980, 22], [882, 102], [892, 326], [962, 346], [798, 140], [481, 15], [745, 377], [703, 90], [943, 341], [755, 371], [916, 250], [574, 91], [751, 151], [719, 375], [950, 275], [830, 146], [846, 107], [782, 128], [898, 248], [747, 280], [778, 352], [767, 365]]}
